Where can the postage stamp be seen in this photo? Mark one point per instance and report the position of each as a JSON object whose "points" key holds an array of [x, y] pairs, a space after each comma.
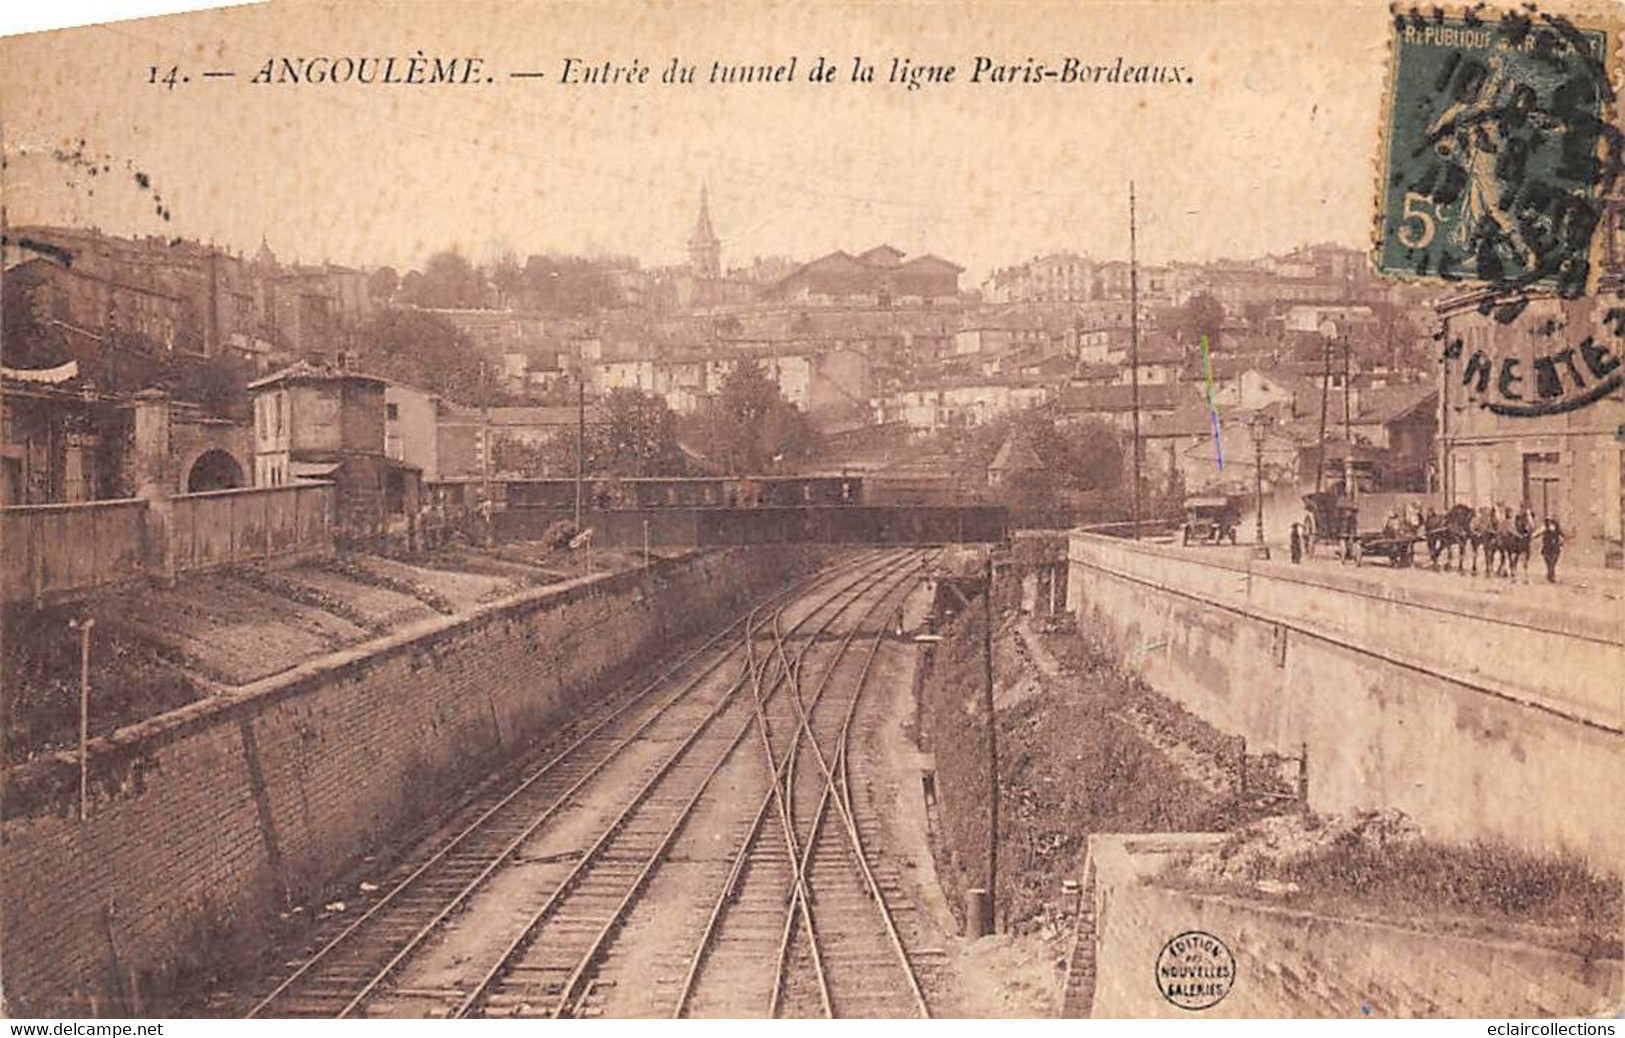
{"points": [[1499, 148]]}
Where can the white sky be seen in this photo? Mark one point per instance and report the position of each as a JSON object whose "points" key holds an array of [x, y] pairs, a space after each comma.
{"points": [[1270, 147]]}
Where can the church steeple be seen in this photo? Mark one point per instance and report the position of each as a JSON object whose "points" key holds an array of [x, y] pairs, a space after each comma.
{"points": [[704, 250]]}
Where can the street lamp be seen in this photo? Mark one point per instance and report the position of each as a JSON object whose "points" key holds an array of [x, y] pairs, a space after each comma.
{"points": [[1258, 426], [1334, 332]]}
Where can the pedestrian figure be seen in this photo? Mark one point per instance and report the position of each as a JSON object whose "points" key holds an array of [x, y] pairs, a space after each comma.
{"points": [[487, 523], [1551, 546], [1295, 545], [1309, 534]]}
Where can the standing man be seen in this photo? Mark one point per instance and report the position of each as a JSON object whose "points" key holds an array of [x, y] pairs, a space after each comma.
{"points": [[487, 522], [1309, 533], [1295, 545], [1551, 546]]}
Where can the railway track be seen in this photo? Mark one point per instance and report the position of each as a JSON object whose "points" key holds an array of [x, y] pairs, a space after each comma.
{"points": [[802, 925], [551, 966], [354, 966]]}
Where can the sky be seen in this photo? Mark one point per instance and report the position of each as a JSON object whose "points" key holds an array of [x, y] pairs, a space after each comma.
{"points": [[1271, 143]]}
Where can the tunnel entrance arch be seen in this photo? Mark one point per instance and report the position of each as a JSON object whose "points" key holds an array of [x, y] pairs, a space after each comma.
{"points": [[214, 469]]}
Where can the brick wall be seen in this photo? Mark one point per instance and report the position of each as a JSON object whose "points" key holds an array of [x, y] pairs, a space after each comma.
{"points": [[206, 821]]}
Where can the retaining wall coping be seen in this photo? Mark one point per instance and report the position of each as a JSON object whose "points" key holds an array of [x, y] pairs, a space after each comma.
{"points": [[36, 778], [70, 507], [284, 488], [1510, 942], [1611, 721], [1607, 629]]}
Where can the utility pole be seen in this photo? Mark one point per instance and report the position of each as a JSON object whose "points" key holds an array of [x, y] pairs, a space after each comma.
{"points": [[487, 444], [581, 442], [1325, 400], [1442, 479], [1133, 348], [84, 713], [1348, 421], [992, 754]]}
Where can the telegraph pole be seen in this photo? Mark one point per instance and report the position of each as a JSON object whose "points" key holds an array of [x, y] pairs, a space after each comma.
{"points": [[1442, 479], [84, 714], [1325, 395], [581, 443], [1134, 346], [992, 752], [1348, 421]]}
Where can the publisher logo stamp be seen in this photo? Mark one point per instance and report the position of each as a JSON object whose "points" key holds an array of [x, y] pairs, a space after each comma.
{"points": [[1195, 970]]}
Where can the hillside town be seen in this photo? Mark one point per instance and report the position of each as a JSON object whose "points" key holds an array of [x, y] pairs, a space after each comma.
{"points": [[873, 345], [889, 360]]}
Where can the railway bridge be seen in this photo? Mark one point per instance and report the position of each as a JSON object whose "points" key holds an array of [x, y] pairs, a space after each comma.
{"points": [[858, 524], [741, 510]]}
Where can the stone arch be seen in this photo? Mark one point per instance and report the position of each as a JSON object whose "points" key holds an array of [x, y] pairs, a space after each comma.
{"points": [[214, 469]]}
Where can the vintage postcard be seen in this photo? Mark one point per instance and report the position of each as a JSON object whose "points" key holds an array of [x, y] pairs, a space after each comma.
{"points": [[679, 509]]}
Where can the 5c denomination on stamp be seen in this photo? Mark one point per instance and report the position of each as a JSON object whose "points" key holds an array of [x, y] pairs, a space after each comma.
{"points": [[1499, 150]]}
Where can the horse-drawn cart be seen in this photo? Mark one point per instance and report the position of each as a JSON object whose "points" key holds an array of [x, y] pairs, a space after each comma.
{"points": [[1336, 519], [1397, 545]]}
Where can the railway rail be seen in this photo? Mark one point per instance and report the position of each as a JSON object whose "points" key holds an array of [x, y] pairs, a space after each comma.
{"points": [[353, 966], [554, 976]]}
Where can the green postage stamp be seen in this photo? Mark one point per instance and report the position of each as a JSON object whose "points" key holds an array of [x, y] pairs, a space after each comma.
{"points": [[1499, 149]]}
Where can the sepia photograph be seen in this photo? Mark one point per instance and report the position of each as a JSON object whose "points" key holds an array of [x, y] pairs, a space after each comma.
{"points": [[912, 509]]}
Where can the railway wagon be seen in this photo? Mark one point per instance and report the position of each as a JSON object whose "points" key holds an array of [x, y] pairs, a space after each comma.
{"points": [[611, 494], [919, 490]]}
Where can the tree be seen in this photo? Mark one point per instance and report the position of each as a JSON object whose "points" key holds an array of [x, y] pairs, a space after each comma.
{"points": [[30, 310], [1201, 315], [382, 283], [219, 383], [636, 436], [750, 427], [1081, 471], [427, 351], [508, 279], [632, 434], [448, 282], [570, 284], [411, 287]]}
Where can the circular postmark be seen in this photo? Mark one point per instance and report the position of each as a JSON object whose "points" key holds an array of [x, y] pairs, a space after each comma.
{"points": [[1195, 970]]}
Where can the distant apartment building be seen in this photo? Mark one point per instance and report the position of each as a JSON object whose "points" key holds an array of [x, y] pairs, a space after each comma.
{"points": [[1115, 404], [188, 297], [824, 380], [548, 343], [1067, 277], [1311, 319], [960, 402]]}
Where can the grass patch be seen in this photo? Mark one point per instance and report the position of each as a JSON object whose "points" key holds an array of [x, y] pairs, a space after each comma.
{"points": [[350, 569], [1376, 866], [129, 680]]}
